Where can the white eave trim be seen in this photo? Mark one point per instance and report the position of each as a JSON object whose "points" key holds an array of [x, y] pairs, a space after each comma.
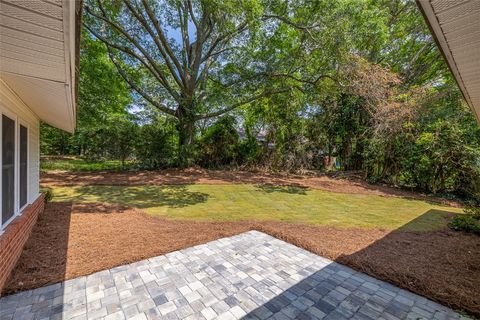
{"points": [[69, 34], [439, 35]]}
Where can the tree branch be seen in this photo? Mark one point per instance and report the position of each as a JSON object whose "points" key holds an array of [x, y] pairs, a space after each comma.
{"points": [[286, 75], [241, 103], [129, 52], [124, 75], [290, 22], [133, 41], [192, 14], [162, 37], [144, 23], [224, 39]]}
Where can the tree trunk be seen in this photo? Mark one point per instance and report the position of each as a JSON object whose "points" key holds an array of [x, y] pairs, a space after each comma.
{"points": [[186, 134]]}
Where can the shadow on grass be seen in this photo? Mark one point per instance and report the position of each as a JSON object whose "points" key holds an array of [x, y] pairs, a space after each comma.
{"points": [[434, 263], [174, 196], [291, 189], [432, 219]]}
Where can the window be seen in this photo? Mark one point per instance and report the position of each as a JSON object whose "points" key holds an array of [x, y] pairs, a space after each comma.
{"points": [[23, 175], [8, 168]]}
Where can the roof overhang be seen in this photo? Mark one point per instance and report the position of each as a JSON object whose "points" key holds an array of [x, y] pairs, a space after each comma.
{"points": [[39, 46], [455, 25]]}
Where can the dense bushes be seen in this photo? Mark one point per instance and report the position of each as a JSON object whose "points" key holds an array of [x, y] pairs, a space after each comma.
{"points": [[469, 222], [430, 155], [156, 146], [219, 145]]}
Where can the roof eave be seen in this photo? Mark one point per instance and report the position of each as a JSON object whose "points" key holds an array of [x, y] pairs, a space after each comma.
{"points": [[437, 34]]}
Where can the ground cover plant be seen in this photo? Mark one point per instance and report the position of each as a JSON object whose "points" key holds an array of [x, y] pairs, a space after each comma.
{"points": [[469, 222], [81, 164], [243, 202]]}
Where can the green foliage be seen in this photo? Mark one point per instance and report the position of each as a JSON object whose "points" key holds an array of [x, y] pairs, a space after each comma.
{"points": [[48, 192], [360, 84], [83, 164], [157, 145], [102, 108], [123, 139], [219, 144], [249, 151], [469, 222]]}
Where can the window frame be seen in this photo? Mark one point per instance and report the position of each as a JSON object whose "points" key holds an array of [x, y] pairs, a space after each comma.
{"points": [[23, 123], [17, 210], [13, 117]]}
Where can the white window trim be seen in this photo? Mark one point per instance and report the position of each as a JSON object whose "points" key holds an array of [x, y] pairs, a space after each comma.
{"points": [[17, 210], [23, 123]]}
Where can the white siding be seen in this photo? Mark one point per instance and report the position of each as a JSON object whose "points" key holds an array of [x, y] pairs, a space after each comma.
{"points": [[456, 26], [11, 105], [37, 56]]}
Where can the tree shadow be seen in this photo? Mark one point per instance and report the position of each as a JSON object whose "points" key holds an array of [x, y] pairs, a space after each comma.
{"points": [[174, 196], [390, 278], [290, 189]]}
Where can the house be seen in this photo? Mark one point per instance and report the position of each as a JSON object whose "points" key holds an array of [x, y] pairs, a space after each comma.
{"points": [[39, 49], [455, 27]]}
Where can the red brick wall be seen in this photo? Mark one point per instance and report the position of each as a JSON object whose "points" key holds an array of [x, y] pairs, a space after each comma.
{"points": [[14, 237]]}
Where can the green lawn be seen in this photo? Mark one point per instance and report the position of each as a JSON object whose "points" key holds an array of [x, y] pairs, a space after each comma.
{"points": [[80, 164], [253, 202]]}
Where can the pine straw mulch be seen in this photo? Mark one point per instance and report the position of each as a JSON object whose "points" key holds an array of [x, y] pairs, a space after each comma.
{"points": [[342, 183], [72, 240]]}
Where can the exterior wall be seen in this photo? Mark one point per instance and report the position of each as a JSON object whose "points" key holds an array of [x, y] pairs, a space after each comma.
{"points": [[14, 237], [10, 104], [15, 232]]}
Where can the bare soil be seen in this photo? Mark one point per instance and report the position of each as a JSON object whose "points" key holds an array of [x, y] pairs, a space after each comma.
{"points": [[344, 183], [72, 240]]}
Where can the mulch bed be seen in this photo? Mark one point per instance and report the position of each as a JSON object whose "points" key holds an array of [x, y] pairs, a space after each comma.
{"points": [[334, 183], [72, 240]]}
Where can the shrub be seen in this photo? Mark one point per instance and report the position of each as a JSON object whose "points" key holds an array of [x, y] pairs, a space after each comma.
{"points": [[48, 194], [249, 151], [157, 145], [219, 144], [469, 222]]}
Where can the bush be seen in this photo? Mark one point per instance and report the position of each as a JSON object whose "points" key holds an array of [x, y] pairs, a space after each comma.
{"points": [[48, 194], [219, 145], [157, 146], [469, 222], [249, 151]]}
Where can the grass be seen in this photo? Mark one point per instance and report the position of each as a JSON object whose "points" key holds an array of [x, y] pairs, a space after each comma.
{"points": [[238, 202], [79, 164]]}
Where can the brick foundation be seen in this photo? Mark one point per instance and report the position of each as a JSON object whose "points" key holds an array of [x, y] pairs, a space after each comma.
{"points": [[15, 236]]}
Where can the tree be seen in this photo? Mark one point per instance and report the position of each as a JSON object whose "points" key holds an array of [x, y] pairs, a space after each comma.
{"points": [[103, 98], [196, 60], [123, 139]]}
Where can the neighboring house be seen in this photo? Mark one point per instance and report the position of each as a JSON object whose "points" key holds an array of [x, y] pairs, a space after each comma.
{"points": [[261, 137], [39, 42]]}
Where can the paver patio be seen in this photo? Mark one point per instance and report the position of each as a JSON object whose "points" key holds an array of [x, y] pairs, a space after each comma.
{"points": [[250, 276]]}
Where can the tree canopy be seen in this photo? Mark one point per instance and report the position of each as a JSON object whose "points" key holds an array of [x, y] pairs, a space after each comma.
{"points": [[290, 85]]}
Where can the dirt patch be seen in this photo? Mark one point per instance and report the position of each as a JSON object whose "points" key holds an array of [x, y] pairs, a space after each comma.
{"points": [[71, 240], [334, 183]]}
